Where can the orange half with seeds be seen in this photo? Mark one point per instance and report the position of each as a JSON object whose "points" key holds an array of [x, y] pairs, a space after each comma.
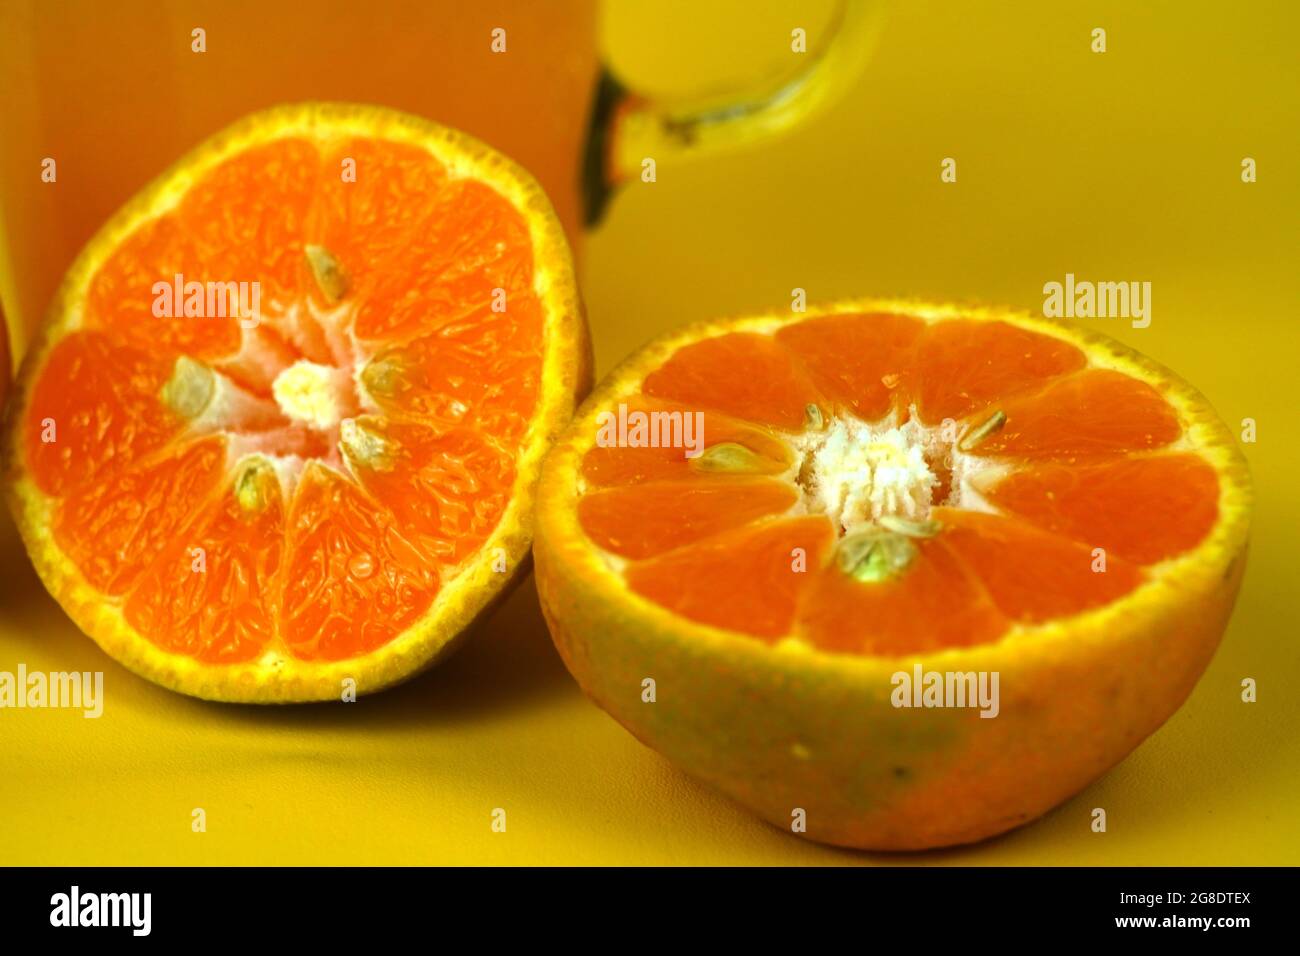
{"points": [[280, 433], [910, 575]]}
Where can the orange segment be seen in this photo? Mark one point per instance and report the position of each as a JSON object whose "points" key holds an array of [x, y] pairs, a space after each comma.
{"points": [[1140, 509], [473, 248], [937, 603], [210, 595], [246, 218], [741, 374], [481, 370], [133, 294], [639, 521], [1030, 575], [1096, 413], [364, 213], [880, 347], [446, 491], [353, 578], [339, 484], [94, 411], [112, 530], [747, 580], [962, 366]]}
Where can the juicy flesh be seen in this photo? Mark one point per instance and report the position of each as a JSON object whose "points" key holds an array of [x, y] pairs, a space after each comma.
{"points": [[302, 484], [887, 486]]}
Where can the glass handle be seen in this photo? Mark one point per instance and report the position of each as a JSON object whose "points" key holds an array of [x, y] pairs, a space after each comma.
{"points": [[628, 128]]}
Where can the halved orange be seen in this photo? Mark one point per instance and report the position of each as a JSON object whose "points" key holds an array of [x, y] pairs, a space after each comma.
{"points": [[279, 434], [892, 506]]}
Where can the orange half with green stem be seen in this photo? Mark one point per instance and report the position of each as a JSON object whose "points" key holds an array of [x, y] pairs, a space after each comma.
{"points": [[892, 575]]}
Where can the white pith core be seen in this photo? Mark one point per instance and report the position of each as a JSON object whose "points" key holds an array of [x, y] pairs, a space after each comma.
{"points": [[309, 362], [857, 472], [312, 394]]}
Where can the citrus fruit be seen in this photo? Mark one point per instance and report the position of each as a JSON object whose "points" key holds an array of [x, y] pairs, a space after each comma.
{"points": [[279, 434], [930, 570]]}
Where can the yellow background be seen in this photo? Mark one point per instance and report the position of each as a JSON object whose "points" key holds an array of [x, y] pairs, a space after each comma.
{"points": [[1115, 166]]}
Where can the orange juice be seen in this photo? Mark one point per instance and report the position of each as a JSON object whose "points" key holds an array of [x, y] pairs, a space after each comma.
{"points": [[115, 92]]}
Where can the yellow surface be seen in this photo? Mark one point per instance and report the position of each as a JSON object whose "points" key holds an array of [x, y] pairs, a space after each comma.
{"points": [[1115, 166]]}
